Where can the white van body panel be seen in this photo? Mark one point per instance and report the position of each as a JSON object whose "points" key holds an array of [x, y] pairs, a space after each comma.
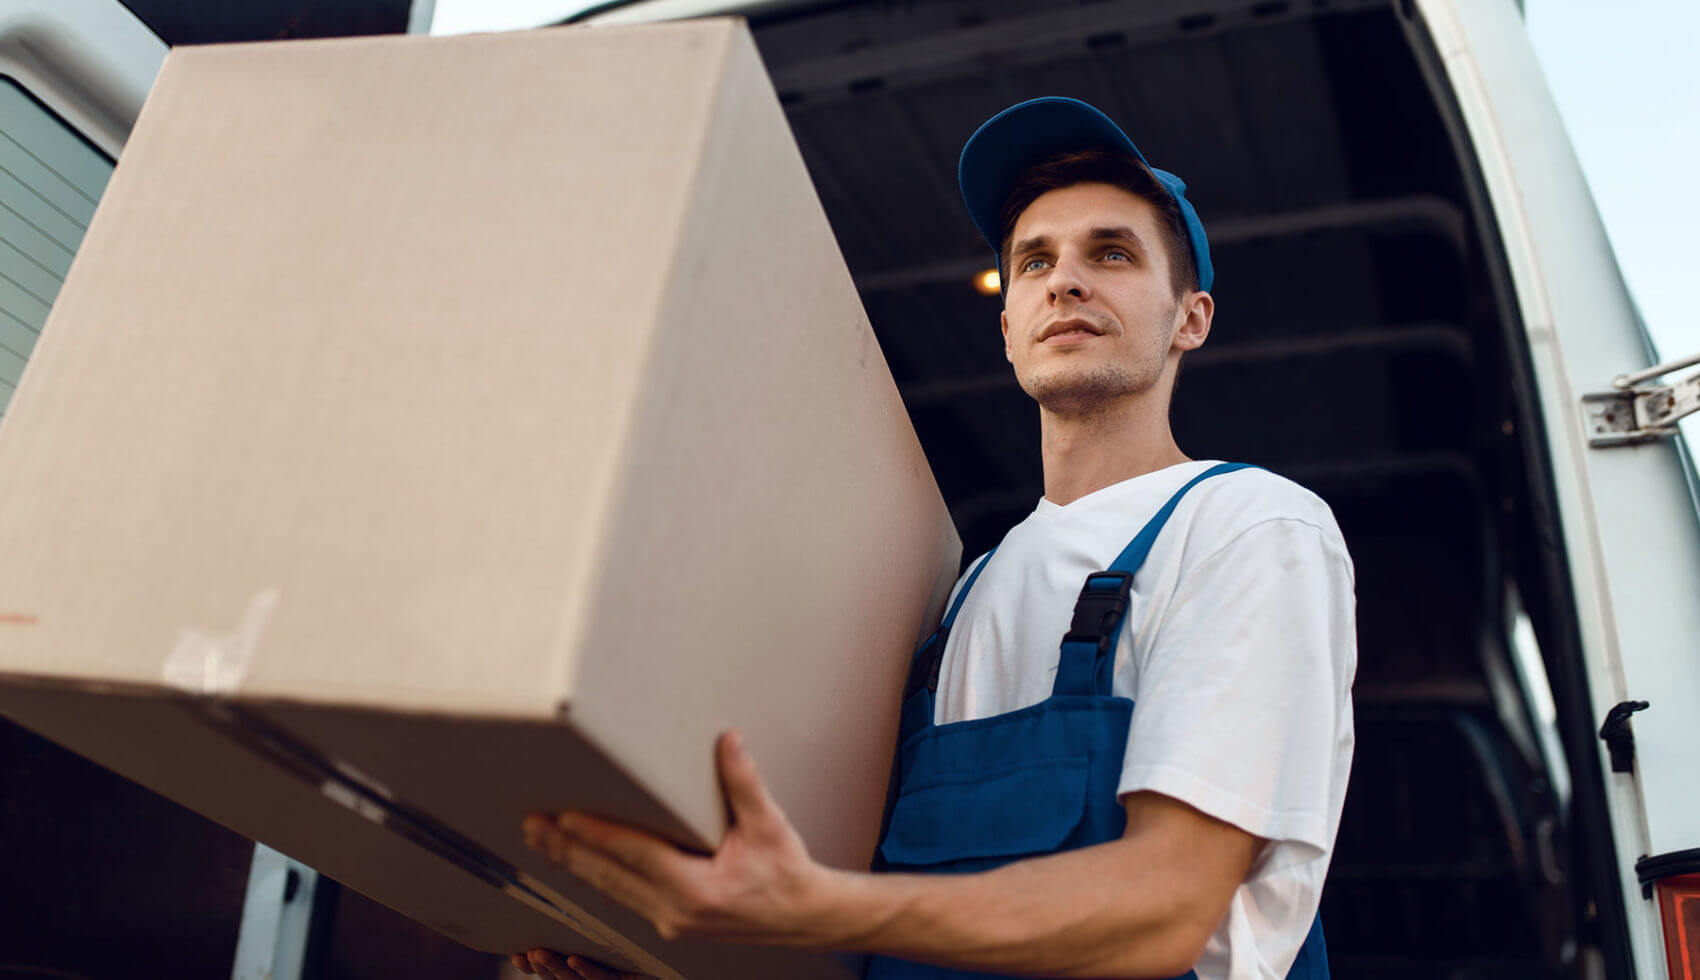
{"points": [[73, 76], [467, 16], [90, 61], [1629, 523]]}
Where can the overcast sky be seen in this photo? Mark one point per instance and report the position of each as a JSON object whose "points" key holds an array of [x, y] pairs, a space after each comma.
{"points": [[1628, 86], [1624, 75]]}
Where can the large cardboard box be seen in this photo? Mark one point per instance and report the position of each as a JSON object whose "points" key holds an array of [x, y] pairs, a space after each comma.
{"points": [[434, 431]]}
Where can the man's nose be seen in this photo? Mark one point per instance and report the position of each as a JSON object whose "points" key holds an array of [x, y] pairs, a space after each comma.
{"points": [[1066, 280]]}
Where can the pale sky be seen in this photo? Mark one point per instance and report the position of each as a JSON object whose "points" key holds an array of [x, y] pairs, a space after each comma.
{"points": [[1626, 81], [1624, 75]]}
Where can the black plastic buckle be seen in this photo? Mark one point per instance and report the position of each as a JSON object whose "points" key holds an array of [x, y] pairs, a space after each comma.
{"points": [[924, 667], [1099, 610]]}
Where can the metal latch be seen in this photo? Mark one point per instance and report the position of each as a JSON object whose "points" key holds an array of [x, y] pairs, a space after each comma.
{"points": [[1636, 412], [1617, 736]]}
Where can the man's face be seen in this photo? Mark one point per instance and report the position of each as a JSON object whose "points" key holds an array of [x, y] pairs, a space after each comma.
{"points": [[1090, 316]]}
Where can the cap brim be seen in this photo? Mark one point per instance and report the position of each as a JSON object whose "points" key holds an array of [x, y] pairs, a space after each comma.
{"points": [[1019, 137]]}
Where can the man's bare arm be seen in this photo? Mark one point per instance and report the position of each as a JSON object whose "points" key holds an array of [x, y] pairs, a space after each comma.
{"points": [[1139, 906]]}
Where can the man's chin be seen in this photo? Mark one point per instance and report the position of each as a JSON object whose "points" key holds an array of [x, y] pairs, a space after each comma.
{"points": [[1083, 392]]}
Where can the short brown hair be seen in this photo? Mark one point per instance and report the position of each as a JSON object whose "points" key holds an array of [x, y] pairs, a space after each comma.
{"points": [[1117, 170]]}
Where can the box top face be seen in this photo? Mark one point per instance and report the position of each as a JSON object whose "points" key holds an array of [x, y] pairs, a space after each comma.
{"points": [[335, 392]]}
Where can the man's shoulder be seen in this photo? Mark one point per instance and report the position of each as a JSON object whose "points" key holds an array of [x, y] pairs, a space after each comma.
{"points": [[1257, 490], [1230, 505]]}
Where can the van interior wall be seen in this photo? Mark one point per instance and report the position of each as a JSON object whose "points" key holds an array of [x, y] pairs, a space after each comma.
{"points": [[1357, 348]]}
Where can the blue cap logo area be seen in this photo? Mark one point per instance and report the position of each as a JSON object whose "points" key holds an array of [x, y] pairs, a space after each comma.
{"points": [[1036, 130]]}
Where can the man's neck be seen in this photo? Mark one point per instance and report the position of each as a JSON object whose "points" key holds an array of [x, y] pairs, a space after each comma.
{"points": [[1088, 452]]}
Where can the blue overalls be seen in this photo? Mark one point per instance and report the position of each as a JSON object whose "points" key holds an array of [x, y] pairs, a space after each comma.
{"points": [[978, 794]]}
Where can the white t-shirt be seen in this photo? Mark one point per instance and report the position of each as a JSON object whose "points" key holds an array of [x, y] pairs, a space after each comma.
{"points": [[1238, 651]]}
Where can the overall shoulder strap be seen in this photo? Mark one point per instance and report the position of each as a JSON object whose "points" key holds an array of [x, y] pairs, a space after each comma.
{"points": [[924, 670], [1133, 556], [1088, 648], [962, 593]]}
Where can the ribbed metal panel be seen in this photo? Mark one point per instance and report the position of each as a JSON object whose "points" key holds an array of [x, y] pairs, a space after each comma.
{"points": [[50, 180]]}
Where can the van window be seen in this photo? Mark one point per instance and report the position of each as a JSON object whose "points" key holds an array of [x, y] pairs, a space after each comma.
{"points": [[50, 180]]}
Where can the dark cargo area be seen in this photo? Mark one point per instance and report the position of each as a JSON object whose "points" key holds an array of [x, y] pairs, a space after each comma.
{"points": [[1359, 347]]}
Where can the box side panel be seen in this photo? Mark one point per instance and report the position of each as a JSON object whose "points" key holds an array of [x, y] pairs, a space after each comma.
{"points": [[480, 779], [330, 401], [166, 744], [780, 540]]}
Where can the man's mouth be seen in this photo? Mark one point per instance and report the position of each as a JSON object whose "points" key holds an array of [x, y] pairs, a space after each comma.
{"points": [[1064, 331]]}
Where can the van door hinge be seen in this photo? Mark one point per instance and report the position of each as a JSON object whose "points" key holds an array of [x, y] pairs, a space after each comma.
{"points": [[1620, 741], [1635, 412]]}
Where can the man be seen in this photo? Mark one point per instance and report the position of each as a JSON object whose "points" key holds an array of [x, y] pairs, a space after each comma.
{"points": [[1161, 793]]}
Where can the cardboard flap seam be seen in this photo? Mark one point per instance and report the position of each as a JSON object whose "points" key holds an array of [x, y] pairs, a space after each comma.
{"points": [[348, 786]]}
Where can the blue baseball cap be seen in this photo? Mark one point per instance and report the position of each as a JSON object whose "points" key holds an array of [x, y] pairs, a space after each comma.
{"points": [[1031, 132]]}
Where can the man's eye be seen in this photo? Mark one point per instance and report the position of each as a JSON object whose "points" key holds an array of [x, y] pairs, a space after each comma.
{"points": [[1032, 265], [1116, 253]]}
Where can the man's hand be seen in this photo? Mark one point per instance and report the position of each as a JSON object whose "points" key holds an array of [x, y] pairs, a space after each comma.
{"points": [[554, 966], [1140, 906], [760, 886]]}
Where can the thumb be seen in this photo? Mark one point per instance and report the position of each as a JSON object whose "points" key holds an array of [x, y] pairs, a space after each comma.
{"points": [[746, 794]]}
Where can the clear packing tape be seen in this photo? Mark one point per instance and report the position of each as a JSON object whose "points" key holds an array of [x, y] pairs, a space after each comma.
{"points": [[205, 662]]}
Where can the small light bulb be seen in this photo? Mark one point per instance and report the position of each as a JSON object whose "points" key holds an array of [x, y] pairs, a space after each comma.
{"points": [[987, 283]]}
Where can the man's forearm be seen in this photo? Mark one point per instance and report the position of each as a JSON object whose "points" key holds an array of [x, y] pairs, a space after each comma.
{"points": [[1140, 906], [1112, 910]]}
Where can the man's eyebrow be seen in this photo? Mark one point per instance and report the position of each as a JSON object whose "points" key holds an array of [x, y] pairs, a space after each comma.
{"points": [[1119, 233], [1033, 244]]}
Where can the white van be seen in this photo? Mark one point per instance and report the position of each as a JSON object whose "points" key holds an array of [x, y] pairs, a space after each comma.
{"points": [[1419, 317]]}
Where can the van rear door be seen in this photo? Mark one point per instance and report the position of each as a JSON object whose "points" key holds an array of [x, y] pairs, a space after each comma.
{"points": [[1626, 512]]}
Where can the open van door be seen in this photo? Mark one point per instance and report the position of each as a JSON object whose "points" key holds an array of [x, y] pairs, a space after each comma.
{"points": [[1624, 499], [73, 75]]}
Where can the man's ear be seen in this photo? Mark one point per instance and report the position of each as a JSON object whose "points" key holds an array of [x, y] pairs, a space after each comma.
{"points": [[1198, 307], [1003, 324]]}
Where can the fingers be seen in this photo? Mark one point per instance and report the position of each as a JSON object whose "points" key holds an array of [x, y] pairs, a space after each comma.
{"points": [[570, 832], [592, 970], [651, 857], [613, 860], [554, 966], [614, 879], [745, 791], [522, 963], [543, 836]]}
